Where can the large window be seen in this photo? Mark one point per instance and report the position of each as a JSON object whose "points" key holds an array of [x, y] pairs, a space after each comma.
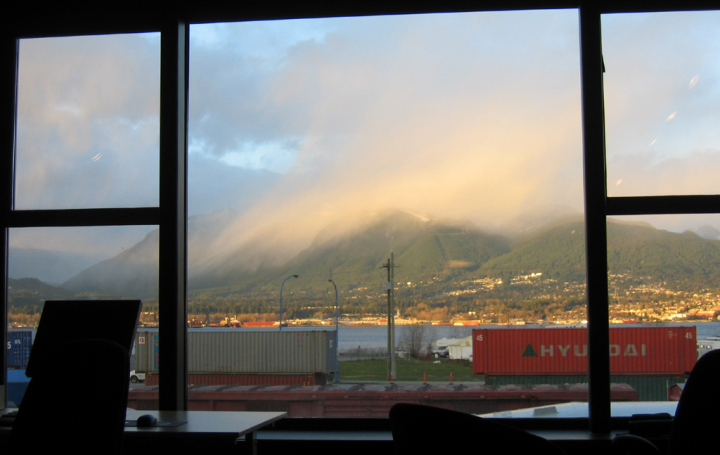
{"points": [[319, 147], [87, 137], [661, 92]]}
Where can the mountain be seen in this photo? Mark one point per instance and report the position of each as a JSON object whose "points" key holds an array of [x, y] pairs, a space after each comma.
{"points": [[31, 291], [663, 255], [708, 232], [422, 250], [132, 273], [443, 252], [635, 248], [538, 219], [47, 266], [558, 253]]}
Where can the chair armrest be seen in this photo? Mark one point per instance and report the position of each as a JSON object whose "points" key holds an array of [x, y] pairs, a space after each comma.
{"points": [[625, 444]]}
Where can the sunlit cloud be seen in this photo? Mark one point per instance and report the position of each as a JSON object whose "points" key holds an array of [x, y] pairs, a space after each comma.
{"points": [[671, 116], [693, 81], [386, 117]]}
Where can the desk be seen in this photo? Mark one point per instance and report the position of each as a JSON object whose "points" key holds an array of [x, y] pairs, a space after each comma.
{"points": [[203, 430]]}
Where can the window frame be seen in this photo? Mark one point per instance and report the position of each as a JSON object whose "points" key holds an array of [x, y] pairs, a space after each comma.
{"points": [[82, 18]]}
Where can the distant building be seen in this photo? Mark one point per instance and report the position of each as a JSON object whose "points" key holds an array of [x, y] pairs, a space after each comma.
{"points": [[461, 349]]}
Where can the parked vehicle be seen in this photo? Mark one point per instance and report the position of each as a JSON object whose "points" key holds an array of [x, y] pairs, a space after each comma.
{"points": [[441, 352], [136, 377]]}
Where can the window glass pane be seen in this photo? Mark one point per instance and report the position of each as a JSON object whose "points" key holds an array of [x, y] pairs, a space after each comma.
{"points": [[79, 263], [664, 287], [662, 89], [318, 148], [88, 122]]}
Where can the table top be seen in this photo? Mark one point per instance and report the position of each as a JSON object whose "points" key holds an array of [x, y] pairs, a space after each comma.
{"points": [[204, 423]]}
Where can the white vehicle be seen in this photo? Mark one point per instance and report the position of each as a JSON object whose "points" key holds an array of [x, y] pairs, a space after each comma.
{"points": [[135, 377], [708, 344]]}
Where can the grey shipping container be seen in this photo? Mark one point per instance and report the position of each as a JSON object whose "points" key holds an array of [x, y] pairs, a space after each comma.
{"points": [[19, 344], [650, 387], [235, 351]]}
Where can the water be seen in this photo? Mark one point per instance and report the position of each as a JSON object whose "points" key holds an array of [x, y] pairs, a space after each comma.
{"points": [[376, 336]]}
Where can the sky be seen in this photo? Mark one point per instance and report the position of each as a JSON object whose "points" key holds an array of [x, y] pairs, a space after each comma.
{"points": [[303, 123]]}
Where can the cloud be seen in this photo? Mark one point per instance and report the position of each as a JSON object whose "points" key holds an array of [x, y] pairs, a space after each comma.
{"points": [[88, 127], [649, 59], [643, 175], [298, 124], [661, 130], [474, 116], [214, 185]]}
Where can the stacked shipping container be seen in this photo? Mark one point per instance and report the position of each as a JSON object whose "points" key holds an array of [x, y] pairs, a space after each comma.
{"points": [[648, 358], [19, 343], [216, 357]]}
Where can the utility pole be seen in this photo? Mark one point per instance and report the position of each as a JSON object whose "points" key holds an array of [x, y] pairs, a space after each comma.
{"points": [[391, 365]]}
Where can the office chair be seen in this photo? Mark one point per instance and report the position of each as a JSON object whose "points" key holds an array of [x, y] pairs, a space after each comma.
{"points": [[418, 430], [76, 401], [694, 428]]}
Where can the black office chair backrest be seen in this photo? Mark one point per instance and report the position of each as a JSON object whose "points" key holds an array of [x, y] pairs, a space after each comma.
{"points": [[76, 401], [60, 318], [696, 422], [419, 430]]}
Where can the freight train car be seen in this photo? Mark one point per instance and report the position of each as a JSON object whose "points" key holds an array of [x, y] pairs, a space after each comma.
{"points": [[303, 357], [375, 400]]}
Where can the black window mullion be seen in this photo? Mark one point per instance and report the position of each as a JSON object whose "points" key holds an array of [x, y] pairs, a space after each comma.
{"points": [[663, 205], [595, 218], [8, 96], [173, 216], [84, 217]]}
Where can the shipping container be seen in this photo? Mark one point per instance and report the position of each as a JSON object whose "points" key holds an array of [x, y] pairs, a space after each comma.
{"points": [[562, 351], [17, 384], [19, 344], [262, 324], [649, 387], [234, 351]]}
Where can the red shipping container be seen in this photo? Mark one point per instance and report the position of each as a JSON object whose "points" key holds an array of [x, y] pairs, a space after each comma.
{"points": [[633, 350]]}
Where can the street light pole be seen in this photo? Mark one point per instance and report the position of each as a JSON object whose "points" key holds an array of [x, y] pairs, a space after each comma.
{"points": [[281, 289], [337, 334]]}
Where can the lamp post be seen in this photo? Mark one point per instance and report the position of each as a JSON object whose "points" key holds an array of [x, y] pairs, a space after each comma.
{"points": [[281, 288], [337, 334]]}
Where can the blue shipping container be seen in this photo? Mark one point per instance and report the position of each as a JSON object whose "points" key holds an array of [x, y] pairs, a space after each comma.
{"points": [[16, 386], [18, 348]]}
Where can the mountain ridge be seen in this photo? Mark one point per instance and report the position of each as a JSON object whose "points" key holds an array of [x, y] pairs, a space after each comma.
{"points": [[427, 250]]}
